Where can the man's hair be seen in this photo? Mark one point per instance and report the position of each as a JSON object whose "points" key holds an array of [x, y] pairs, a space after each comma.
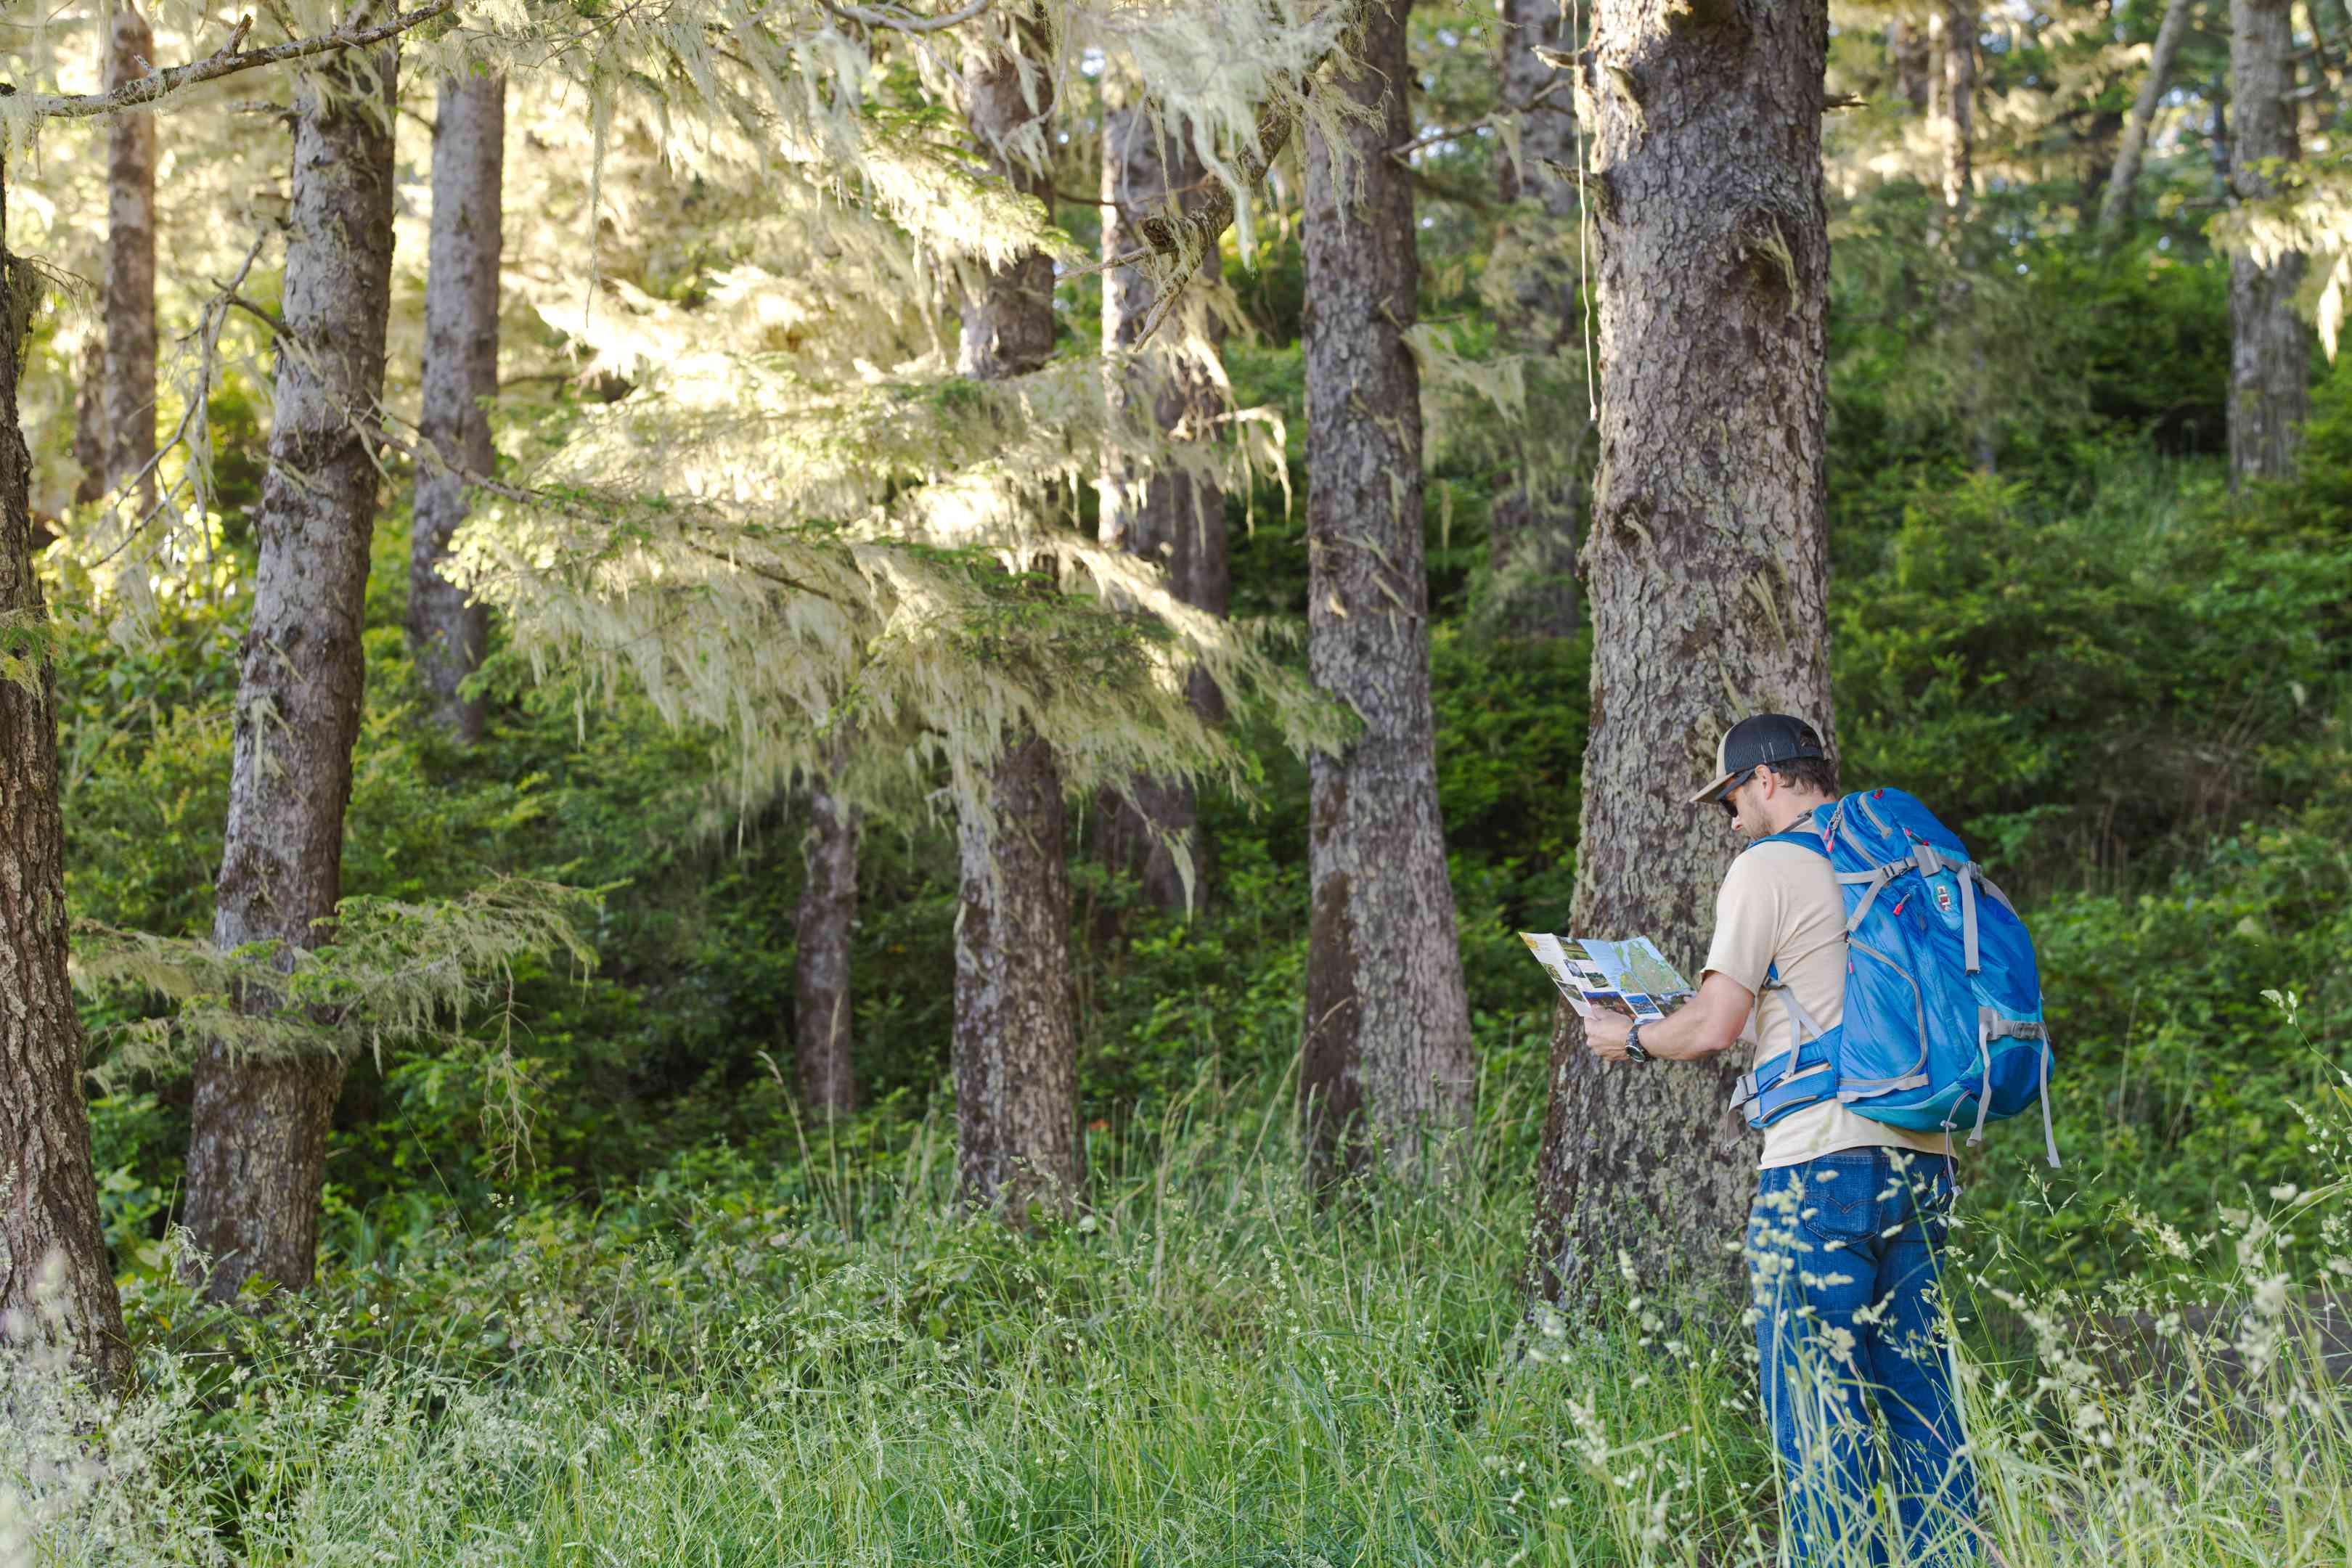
{"points": [[1816, 774]]}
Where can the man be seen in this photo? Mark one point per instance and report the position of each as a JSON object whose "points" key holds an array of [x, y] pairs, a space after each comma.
{"points": [[1849, 1214]]}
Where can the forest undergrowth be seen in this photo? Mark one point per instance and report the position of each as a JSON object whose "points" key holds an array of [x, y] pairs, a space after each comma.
{"points": [[673, 1324], [661, 1318], [830, 1362]]}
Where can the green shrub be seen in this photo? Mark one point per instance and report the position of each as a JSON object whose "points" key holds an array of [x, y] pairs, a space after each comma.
{"points": [[2089, 690]]}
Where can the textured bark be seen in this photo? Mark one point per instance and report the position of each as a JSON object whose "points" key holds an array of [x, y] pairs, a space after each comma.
{"points": [[257, 1147], [1705, 574], [1008, 320], [1952, 27], [1531, 531], [1176, 520], [446, 634], [130, 264], [1016, 1040], [1016, 1049], [821, 1016], [2115, 203], [56, 1281], [2270, 347], [1387, 1054]]}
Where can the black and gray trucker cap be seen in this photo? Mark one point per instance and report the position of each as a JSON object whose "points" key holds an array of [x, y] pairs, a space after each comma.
{"points": [[1766, 738]]}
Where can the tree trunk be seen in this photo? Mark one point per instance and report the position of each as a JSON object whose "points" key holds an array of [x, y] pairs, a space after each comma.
{"points": [[2270, 347], [2115, 203], [1175, 521], [90, 419], [2102, 129], [447, 634], [56, 1281], [1952, 99], [2217, 134], [1706, 571], [1909, 52], [1387, 1055], [1531, 531], [821, 1016], [258, 1146], [1016, 1040], [1952, 28], [129, 265], [1016, 1049]]}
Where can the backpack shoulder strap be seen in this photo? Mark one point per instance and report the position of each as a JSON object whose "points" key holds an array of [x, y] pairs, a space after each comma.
{"points": [[1805, 836]]}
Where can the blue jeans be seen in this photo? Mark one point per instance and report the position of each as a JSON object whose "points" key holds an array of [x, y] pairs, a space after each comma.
{"points": [[1842, 1261]]}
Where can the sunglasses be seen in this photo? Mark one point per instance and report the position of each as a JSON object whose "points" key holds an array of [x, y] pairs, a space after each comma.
{"points": [[1724, 800]]}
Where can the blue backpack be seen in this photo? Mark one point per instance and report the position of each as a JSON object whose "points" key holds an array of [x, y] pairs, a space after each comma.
{"points": [[1943, 1023]]}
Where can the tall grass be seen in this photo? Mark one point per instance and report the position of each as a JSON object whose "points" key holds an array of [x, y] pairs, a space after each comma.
{"points": [[829, 1364]]}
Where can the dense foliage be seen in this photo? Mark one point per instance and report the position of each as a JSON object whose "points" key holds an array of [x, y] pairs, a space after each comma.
{"points": [[2130, 690], [592, 1279]]}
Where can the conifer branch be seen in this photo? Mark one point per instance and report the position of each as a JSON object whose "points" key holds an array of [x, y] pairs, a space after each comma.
{"points": [[186, 434], [1458, 132], [259, 314], [1195, 232], [903, 21], [1189, 238], [227, 60]]}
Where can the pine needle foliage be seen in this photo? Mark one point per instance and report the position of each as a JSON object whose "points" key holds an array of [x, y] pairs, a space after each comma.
{"points": [[908, 602], [2311, 215], [395, 973], [754, 533], [774, 542]]}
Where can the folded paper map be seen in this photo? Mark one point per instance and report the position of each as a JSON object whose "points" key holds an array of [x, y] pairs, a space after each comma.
{"points": [[1629, 977]]}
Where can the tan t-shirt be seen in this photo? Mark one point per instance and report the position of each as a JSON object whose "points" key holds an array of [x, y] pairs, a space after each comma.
{"points": [[1780, 905]]}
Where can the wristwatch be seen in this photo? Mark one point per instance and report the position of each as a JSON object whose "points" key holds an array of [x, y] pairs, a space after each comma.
{"points": [[1633, 1049]]}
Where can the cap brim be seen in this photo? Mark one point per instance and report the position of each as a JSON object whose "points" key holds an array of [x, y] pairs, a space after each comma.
{"points": [[1714, 792]]}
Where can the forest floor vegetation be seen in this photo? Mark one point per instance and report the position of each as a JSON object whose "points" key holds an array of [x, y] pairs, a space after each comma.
{"points": [[831, 1363], [591, 1291]]}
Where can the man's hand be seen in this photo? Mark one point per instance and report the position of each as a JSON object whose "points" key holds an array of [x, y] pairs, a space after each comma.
{"points": [[1707, 1023], [1604, 1034]]}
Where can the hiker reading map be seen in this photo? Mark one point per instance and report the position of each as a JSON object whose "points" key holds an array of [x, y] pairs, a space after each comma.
{"points": [[1630, 977]]}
